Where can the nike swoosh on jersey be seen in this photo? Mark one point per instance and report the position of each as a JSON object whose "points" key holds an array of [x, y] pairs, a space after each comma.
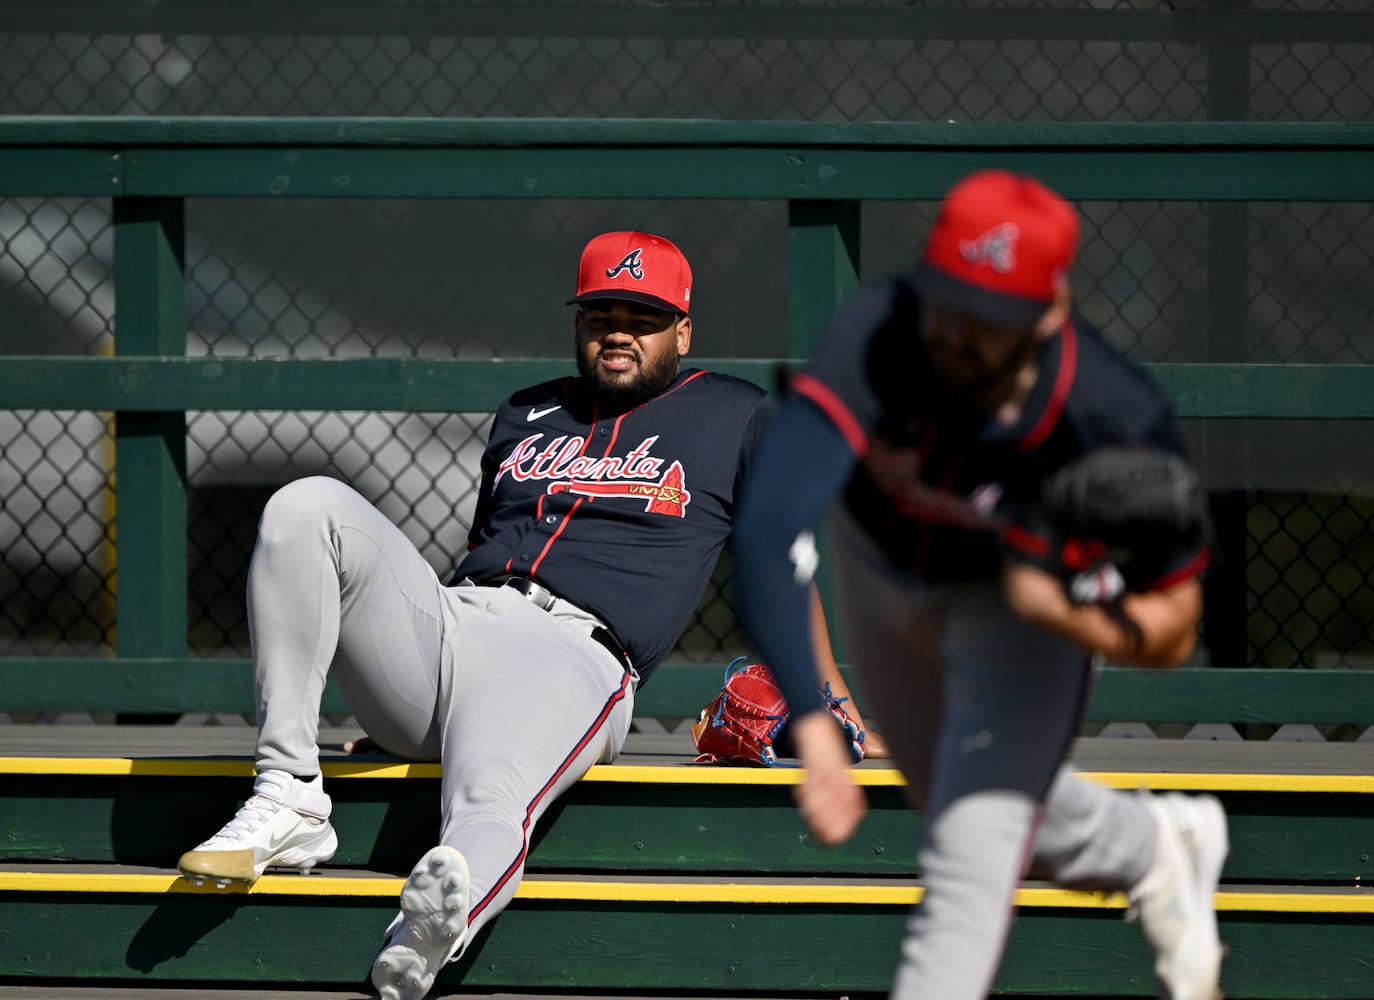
{"points": [[535, 413]]}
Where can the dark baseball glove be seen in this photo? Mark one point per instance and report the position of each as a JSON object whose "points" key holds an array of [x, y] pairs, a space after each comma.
{"points": [[745, 723], [1115, 520]]}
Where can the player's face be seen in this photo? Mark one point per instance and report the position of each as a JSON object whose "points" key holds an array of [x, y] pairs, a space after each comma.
{"points": [[627, 351], [976, 360]]}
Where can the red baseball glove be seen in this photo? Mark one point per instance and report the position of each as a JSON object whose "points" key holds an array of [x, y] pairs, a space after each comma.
{"points": [[743, 724]]}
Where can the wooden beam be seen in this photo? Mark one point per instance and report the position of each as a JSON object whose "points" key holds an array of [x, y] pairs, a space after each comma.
{"points": [[59, 684], [176, 383]]}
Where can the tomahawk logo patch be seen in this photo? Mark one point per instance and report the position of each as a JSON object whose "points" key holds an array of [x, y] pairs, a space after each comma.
{"points": [[996, 248], [638, 475], [667, 495], [630, 262]]}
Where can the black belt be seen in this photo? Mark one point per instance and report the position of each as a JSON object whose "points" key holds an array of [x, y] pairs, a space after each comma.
{"points": [[543, 598]]}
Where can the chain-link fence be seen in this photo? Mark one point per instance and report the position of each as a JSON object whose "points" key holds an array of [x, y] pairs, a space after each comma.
{"points": [[1262, 282]]}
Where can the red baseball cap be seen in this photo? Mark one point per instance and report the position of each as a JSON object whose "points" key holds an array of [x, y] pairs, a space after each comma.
{"points": [[999, 249], [635, 267]]}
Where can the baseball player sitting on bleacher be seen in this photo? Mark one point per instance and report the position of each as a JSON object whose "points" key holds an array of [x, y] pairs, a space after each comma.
{"points": [[604, 502]]}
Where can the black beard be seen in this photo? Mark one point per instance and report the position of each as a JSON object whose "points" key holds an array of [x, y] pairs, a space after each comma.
{"points": [[989, 390], [619, 397]]}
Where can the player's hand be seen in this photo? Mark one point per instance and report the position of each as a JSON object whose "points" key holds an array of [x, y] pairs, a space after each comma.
{"points": [[363, 744], [875, 746], [1154, 629], [1035, 594], [828, 799]]}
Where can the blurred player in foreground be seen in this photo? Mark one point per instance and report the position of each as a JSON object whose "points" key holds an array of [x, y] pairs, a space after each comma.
{"points": [[941, 412]]}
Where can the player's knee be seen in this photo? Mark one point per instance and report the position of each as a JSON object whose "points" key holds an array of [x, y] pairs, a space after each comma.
{"points": [[499, 789], [481, 812], [298, 505]]}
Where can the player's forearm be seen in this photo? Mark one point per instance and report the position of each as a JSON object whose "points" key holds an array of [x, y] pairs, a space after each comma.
{"points": [[825, 653], [874, 745], [1155, 629], [774, 553]]}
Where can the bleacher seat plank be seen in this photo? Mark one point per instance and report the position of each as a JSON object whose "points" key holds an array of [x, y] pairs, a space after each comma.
{"points": [[1298, 811], [233, 746], [658, 758], [736, 934], [751, 890]]}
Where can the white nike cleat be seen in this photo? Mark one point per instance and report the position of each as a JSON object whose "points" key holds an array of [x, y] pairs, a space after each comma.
{"points": [[1174, 899], [431, 928], [284, 824]]}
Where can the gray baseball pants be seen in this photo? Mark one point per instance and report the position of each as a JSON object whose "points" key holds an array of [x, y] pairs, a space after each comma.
{"points": [[515, 701], [979, 709]]}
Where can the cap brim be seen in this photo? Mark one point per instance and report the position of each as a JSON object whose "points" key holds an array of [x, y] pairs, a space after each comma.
{"points": [[622, 295], [941, 288]]}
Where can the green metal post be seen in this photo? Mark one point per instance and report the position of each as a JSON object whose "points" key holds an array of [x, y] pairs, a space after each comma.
{"points": [[1227, 443], [150, 447], [823, 267], [823, 271]]}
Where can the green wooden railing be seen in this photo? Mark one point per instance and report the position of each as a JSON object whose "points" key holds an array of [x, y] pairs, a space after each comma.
{"points": [[148, 167]]}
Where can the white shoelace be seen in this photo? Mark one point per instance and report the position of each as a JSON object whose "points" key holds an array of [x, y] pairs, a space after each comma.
{"points": [[251, 815]]}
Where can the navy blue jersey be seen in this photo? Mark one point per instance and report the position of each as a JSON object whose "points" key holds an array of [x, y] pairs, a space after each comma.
{"points": [[930, 479], [935, 477], [624, 515]]}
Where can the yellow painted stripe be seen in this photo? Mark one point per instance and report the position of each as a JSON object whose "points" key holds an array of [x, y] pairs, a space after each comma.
{"points": [[183, 767], [677, 774], [91, 766], [1282, 902], [742, 893], [878, 777], [1195, 782]]}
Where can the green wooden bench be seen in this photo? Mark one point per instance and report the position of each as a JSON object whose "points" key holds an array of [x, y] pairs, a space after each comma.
{"points": [[642, 875]]}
